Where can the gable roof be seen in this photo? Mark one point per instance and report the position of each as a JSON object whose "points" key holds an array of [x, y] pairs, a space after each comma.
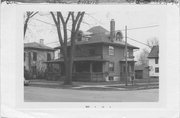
{"points": [[154, 52], [101, 36], [38, 46]]}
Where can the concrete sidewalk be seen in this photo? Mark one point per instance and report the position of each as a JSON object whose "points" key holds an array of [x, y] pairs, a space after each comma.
{"points": [[94, 85]]}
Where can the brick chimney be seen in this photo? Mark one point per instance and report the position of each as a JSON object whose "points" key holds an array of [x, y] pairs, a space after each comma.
{"points": [[112, 29], [41, 41]]}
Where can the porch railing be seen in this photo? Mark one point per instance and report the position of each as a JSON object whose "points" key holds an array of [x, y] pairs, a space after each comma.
{"points": [[87, 76], [97, 76]]}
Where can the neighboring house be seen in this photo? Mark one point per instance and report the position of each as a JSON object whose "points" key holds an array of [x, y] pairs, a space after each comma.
{"points": [[153, 59], [34, 56], [99, 56], [141, 71]]}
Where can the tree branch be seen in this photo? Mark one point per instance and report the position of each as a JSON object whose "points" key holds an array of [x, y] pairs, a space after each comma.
{"points": [[57, 23]]}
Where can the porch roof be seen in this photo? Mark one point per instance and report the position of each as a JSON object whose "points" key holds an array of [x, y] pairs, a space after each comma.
{"points": [[128, 59], [76, 59]]}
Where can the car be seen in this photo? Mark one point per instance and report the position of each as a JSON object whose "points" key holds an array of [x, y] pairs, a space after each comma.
{"points": [[26, 82]]}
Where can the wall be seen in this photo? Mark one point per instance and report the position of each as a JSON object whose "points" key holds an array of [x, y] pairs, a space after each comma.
{"points": [[152, 68], [118, 55]]}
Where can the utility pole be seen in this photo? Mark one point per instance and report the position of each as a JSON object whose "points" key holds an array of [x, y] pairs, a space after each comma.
{"points": [[126, 64]]}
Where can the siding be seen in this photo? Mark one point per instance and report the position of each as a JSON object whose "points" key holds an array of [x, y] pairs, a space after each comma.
{"points": [[152, 67]]}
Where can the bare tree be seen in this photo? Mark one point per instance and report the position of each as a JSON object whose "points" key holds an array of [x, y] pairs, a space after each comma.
{"points": [[67, 54], [28, 16], [143, 60], [153, 42]]}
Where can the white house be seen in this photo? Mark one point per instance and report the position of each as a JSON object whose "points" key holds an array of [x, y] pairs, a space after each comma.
{"points": [[153, 59]]}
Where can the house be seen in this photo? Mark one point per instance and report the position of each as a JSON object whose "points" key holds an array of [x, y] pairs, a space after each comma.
{"points": [[153, 60], [141, 71], [34, 56], [99, 56]]}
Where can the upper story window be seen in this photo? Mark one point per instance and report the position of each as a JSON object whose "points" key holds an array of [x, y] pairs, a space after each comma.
{"points": [[48, 56], [111, 50], [34, 56], [156, 60], [128, 53]]}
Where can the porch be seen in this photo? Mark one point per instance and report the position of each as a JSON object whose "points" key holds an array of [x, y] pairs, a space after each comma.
{"points": [[130, 70], [90, 69]]}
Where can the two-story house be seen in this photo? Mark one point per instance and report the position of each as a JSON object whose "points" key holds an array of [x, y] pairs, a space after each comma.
{"points": [[153, 59], [34, 56], [99, 56]]}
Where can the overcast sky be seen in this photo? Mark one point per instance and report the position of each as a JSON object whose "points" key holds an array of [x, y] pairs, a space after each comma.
{"points": [[41, 25]]}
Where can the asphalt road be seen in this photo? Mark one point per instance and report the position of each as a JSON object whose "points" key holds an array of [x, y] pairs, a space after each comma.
{"points": [[38, 94]]}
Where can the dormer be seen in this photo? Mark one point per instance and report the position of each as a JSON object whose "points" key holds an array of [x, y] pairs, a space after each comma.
{"points": [[119, 36], [83, 36]]}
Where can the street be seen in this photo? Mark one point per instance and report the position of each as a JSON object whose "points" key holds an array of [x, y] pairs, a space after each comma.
{"points": [[42, 94]]}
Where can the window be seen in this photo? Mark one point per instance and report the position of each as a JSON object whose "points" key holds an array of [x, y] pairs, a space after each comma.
{"points": [[48, 56], [156, 70], [128, 53], [34, 56], [111, 50], [111, 78], [156, 60], [111, 66]]}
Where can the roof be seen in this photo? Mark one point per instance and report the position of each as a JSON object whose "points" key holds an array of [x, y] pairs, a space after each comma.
{"points": [[100, 36], [97, 29], [94, 58], [38, 46], [128, 59], [154, 52]]}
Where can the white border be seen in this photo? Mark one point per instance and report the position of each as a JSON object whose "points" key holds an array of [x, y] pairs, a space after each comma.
{"points": [[12, 62]]}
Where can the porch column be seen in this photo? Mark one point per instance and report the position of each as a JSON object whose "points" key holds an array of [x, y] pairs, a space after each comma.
{"points": [[91, 67], [74, 68], [60, 69], [91, 70]]}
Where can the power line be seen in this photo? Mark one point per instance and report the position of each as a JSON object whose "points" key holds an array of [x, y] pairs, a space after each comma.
{"points": [[138, 41], [52, 42], [95, 19], [143, 27], [44, 22]]}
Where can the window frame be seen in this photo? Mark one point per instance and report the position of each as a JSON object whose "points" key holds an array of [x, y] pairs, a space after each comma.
{"points": [[156, 69], [34, 56], [48, 55], [111, 51], [111, 69]]}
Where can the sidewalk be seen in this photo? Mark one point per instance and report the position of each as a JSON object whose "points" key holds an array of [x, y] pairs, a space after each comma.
{"points": [[94, 85]]}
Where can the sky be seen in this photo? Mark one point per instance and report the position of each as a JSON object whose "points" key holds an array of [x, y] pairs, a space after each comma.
{"points": [[41, 26]]}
